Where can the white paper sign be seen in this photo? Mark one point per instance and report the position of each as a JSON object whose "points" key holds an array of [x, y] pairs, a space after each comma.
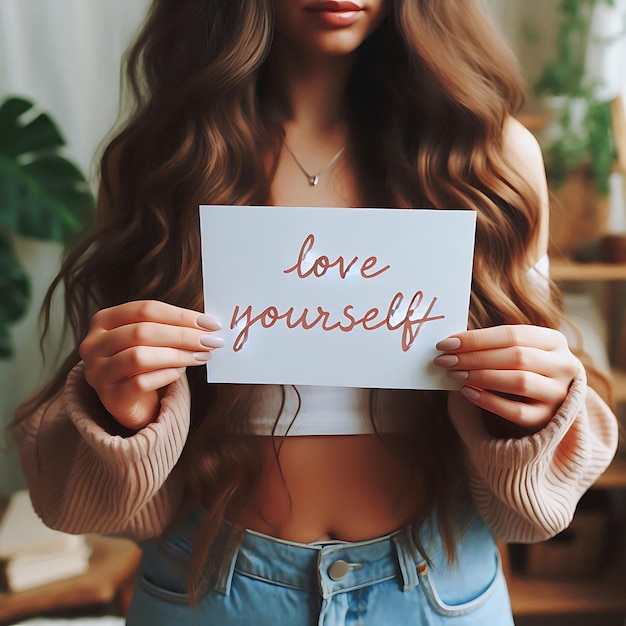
{"points": [[339, 297]]}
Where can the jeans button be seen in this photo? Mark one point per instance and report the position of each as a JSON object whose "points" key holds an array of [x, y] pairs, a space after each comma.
{"points": [[339, 570]]}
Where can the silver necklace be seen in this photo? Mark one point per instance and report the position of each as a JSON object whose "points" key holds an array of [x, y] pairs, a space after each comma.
{"points": [[314, 178]]}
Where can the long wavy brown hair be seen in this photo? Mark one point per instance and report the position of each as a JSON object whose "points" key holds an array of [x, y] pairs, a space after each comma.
{"points": [[429, 96]]}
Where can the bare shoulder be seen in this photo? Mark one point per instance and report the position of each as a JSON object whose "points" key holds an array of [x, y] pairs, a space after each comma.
{"points": [[523, 152], [524, 155]]}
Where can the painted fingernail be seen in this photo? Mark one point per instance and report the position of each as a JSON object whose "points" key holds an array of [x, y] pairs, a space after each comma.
{"points": [[458, 375], [470, 393], [446, 360], [202, 357], [452, 343], [211, 341], [208, 322]]}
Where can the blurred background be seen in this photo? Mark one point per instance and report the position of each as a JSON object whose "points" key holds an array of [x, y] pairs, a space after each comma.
{"points": [[63, 57]]}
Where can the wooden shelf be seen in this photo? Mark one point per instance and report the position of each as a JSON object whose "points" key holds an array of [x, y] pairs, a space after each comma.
{"points": [[565, 270], [604, 593], [542, 596]]}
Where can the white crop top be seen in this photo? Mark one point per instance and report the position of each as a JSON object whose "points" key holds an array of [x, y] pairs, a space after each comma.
{"points": [[315, 410], [311, 410]]}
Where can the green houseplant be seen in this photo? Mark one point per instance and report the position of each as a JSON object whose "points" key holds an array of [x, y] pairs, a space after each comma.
{"points": [[582, 136], [42, 195]]}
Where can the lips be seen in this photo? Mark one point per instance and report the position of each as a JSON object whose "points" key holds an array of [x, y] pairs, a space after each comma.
{"points": [[334, 6], [335, 14]]}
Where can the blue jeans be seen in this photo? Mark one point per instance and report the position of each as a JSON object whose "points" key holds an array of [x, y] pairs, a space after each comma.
{"points": [[380, 582]]}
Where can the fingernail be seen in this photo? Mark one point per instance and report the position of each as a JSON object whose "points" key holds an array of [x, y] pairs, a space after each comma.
{"points": [[446, 360], [452, 343], [457, 375], [211, 341], [203, 357], [208, 322], [470, 393]]}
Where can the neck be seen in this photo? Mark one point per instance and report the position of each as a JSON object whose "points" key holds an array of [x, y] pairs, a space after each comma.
{"points": [[310, 90]]}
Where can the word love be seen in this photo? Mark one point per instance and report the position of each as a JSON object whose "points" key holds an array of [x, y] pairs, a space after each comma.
{"points": [[374, 318], [322, 264]]}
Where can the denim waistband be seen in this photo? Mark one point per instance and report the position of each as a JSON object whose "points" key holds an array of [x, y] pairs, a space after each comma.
{"points": [[324, 569], [327, 569], [271, 581]]}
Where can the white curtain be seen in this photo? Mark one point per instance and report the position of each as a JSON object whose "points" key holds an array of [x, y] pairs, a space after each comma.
{"points": [[606, 62], [606, 56], [65, 56]]}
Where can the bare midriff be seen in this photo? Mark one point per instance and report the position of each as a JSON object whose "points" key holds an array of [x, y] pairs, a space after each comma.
{"points": [[347, 487]]}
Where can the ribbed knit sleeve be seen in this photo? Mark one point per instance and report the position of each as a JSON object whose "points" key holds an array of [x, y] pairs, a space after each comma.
{"points": [[527, 489], [84, 477]]}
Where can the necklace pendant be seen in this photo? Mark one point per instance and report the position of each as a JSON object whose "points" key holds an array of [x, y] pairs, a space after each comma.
{"points": [[313, 180]]}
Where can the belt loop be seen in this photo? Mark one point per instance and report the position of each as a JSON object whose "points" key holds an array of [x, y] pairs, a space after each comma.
{"points": [[324, 588], [228, 556], [406, 559]]}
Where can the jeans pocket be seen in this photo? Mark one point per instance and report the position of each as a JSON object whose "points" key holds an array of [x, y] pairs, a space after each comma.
{"points": [[163, 572], [450, 592], [162, 593]]}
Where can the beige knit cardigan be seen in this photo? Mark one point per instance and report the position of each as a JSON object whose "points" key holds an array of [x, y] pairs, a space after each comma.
{"points": [[84, 478]]}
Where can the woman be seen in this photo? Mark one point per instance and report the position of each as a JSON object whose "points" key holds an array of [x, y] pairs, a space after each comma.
{"points": [[403, 103]]}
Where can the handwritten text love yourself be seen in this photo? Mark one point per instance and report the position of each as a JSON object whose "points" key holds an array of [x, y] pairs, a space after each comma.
{"points": [[410, 321]]}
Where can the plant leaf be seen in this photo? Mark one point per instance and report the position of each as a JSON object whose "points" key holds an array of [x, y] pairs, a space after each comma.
{"points": [[10, 111], [38, 134], [15, 292], [42, 194], [6, 349], [20, 138]]}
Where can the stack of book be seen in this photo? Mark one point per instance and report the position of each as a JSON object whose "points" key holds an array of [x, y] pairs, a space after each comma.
{"points": [[31, 554]]}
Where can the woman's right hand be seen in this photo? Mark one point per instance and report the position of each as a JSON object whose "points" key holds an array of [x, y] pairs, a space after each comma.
{"points": [[132, 350]]}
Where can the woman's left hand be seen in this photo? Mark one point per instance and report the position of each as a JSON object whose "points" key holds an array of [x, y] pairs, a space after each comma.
{"points": [[521, 373]]}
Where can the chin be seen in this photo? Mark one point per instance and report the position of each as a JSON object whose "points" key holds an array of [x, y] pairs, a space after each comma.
{"points": [[333, 44]]}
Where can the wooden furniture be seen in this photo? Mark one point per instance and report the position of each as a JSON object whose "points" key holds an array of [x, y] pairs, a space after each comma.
{"points": [[107, 584], [604, 593], [564, 271]]}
